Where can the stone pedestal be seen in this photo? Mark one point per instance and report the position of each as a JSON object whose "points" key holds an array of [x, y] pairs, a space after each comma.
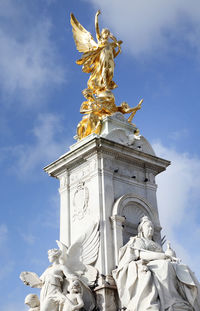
{"points": [[110, 180], [106, 298]]}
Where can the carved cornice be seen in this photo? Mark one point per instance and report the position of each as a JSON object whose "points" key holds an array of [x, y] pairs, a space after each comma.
{"points": [[101, 147]]}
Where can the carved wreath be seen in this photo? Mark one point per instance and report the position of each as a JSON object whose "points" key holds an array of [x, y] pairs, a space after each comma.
{"points": [[80, 201]]}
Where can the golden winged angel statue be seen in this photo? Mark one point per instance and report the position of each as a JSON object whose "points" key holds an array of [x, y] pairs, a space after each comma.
{"points": [[98, 60]]}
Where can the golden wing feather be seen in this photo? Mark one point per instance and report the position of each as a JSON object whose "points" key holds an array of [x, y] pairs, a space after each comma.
{"points": [[83, 38]]}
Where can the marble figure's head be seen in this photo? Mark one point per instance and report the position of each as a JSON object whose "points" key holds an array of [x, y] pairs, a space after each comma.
{"points": [[54, 254], [32, 300], [75, 286], [145, 228]]}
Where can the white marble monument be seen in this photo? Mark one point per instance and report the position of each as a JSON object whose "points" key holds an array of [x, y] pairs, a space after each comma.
{"points": [[109, 254], [106, 180]]}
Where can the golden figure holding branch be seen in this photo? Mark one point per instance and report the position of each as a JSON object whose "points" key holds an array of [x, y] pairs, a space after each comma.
{"points": [[98, 60]]}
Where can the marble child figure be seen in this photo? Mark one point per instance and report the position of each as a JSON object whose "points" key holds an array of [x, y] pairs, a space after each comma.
{"points": [[74, 298], [33, 302], [149, 279]]}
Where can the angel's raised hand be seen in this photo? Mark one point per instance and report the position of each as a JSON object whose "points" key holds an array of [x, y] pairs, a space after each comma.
{"points": [[98, 12]]}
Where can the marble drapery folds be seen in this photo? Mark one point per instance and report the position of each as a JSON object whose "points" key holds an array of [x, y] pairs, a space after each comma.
{"points": [[154, 285]]}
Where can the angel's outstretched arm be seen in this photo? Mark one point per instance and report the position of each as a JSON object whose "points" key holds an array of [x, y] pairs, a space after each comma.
{"points": [[97, 25], [118, 44], [31, 279]]}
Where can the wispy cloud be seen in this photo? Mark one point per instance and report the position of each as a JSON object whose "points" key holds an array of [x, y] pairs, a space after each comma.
{"points": [[148, 26], [29, 238], [178, 202], [29, 62], [47, 143]]}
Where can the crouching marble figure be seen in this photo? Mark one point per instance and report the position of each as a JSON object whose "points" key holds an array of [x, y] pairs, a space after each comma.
{"points": [[65, 284], [149, 279]]}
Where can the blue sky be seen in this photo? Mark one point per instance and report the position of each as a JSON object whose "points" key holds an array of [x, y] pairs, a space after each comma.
{"points": [[40, 98]]}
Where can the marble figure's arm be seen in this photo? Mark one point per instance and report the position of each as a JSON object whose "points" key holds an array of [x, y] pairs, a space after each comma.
{"points": [[149, 255], [80, 303]]}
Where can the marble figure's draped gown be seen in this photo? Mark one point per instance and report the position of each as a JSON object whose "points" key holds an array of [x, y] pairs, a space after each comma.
{"points": [[51, 291], [159, 285]]}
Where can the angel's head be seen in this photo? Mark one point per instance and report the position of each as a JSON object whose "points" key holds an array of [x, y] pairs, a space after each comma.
{"points": [[54, 254], [105, 33], [32, 300]]}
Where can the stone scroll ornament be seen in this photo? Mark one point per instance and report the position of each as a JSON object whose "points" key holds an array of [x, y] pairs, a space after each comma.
{"points": [[98, 60], [65, 284], [148, 278]]}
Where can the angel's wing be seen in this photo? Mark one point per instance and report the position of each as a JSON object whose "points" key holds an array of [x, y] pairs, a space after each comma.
{"points": [[82, 254], [64, 249], [83, 38], [85, 249], [31, 279]]}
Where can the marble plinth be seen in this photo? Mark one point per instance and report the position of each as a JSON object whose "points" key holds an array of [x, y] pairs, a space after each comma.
{"points": [[110, 182]]}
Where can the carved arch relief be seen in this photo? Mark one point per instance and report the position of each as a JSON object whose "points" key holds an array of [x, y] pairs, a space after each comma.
{"points": [[126, 214]]}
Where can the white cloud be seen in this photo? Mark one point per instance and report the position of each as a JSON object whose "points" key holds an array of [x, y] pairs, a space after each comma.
{"points": [[148, 26], [46, 146], [29, 238], [29, 64], [178, 202]]}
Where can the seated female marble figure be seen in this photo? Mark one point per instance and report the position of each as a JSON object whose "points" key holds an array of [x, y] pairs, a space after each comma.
{"points": [[149, 279]]}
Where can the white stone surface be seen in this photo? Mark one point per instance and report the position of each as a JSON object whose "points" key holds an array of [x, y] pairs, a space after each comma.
{"points": [[112, 183], [148, 278], [106, 297], [115, 122]]}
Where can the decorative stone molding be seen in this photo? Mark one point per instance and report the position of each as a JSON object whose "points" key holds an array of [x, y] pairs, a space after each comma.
{"points": [[63, 182], [80, 201], [126, 199]]}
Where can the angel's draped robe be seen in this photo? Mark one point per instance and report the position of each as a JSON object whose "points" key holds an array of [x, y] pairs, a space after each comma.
{"points": [[100, 64]]}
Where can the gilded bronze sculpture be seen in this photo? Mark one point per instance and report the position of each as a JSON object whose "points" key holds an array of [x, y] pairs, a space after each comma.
{"points": [[98, 60]]}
